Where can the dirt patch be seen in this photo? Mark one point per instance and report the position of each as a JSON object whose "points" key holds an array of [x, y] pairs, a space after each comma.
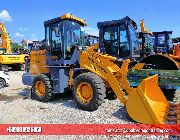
{"points": [[9, 98]]}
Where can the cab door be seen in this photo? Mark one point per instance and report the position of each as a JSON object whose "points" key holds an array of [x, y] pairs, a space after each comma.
{"points": [[111, 40]]}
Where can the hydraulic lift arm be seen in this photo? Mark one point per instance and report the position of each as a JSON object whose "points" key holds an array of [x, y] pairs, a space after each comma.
{"points": [[144, 104], [6, 41]]}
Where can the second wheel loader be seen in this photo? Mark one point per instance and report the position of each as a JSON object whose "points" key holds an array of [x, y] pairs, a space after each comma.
{"points": [[65, 64], [119, 38]]}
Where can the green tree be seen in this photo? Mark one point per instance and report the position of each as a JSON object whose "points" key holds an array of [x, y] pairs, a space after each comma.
{"points": [[16, 46]]}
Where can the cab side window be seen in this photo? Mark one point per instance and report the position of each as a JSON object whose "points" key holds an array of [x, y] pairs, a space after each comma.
{"points": [[56, 41], [124, 49], [56, 37]]}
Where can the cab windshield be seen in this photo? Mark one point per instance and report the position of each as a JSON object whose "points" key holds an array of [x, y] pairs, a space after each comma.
{"points": [[111, 40], [63, 37], [148, 41], [135, 43], [73, 34], [124, 50], [161, 40]]}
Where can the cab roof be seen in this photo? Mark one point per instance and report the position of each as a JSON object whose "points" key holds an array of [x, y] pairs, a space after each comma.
{"points": [[115, 22], [67, 16], [163, 32]]}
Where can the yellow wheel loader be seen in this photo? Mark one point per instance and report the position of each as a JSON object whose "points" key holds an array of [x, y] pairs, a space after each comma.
{"points": [[7, 58], [64, 63]]}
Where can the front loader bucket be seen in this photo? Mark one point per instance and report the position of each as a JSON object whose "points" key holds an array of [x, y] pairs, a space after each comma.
{"points": [[147, 103]]}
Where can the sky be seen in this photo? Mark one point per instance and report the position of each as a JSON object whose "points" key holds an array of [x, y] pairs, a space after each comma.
{"points": [[24, 19]]}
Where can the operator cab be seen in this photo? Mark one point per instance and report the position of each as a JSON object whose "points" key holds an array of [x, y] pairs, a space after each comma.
{"points": [[91, 40], [162, 41], [146, 47], [119, 38], [63, 35]]}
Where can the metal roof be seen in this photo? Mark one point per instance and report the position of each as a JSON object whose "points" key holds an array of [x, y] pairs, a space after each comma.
{"points": [[114, 22], [68, 16]]}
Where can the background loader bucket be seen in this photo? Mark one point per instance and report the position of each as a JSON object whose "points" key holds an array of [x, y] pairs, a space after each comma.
{"points": [[147, 103]]}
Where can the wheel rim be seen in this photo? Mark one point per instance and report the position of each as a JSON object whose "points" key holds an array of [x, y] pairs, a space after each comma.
{"points": [[85, 92], [2, 83], [40, 88]]}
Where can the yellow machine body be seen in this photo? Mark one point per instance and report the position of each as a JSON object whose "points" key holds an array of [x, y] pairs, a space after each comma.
{"points": [[12, 59], [150, 101], [143, 29], [38, 62]]}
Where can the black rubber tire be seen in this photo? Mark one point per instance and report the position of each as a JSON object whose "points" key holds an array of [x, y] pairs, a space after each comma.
{"points": [[48, 96], [99, 91], [2, 83], [164, 63]]}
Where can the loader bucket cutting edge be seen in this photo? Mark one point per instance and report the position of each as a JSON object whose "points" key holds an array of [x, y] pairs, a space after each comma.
{"points": [[147, 103]]}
